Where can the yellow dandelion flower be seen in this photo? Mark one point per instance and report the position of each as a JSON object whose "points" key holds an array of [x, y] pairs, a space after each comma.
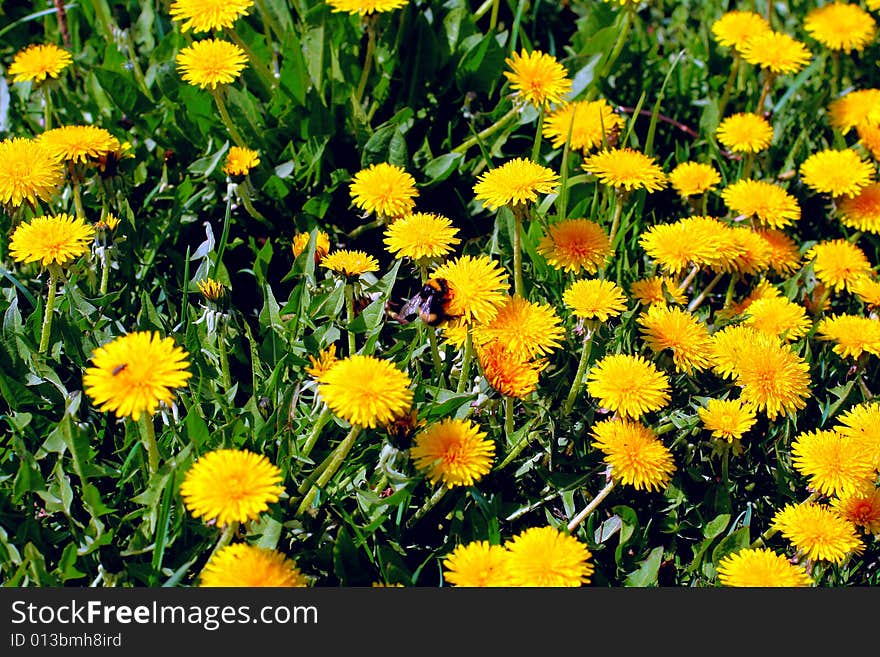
{"points": [[592, 124], [728, 345], [516, 182], [860, 506], [779, 317], [862, 211], [28, 171], [862, 424], [56, 239], [693, 178], [421, 236], [636, 455], [770, 204], [477, 564], [350, 263], [703, 241], [36, 62], [626, 168], [319, 365], [852, 335], [207, 15], [508, 372], [760, 567], [527, 328], [544, 556], [735, 27], [784, 257], [745, 133], [869, 138], [477, 287], [79, 143], [231, 485], [301, 241], [134, 373], [669, 327], [838, 263], [763, 290], [727, 419], [239, 161], [537, 78], [867, 290], [454, 452], [817, 531], [574, 245], [211, 290], [594, 299], [751, 254], [836, 172], [841, 26], [855, 109], [211, 62], [384, 189], [773, 378], [775, 52], [831, 462], [251, 566], [366, 7], [628, 385], [366, 390], [657, 289]]}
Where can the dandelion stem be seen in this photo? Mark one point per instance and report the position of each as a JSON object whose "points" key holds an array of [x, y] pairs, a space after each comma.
{"points": [[224, 116], [312, 438], [518, 211], [225, 538], [731, 286], [349, 309], [587, 510], [149, 438], [329, 468], [725, 95], [54, 272], [105, 270], [378, 222], [428, 505], [77, 197], [224, 236], [47, 108], [508, 416], [689, 278], [245, 196], [539, 133], [222, 355], [579, 374], [259, 67], [765, 91], [493, 17], [465, 361], [368, 60], [615, 219], [693, 305], [515, 451], [485, 134], [835, 73], [432, 337]]}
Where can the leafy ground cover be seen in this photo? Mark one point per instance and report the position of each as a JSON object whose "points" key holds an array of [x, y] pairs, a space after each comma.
{"points": [[423, 293]]}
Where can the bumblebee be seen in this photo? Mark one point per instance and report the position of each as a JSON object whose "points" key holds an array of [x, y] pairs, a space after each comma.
{"points": [[430, 304]]}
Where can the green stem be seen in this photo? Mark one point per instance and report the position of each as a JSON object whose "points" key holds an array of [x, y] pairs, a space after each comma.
{"points": [[466, 358], [222, 355], [695, 303], [518, 286], [428, 505], [432, 337], [349, 308], [333, 463], [728, 86], [269, 18], [508, 417], [245, 196], [835, 73], [368, 61], [493, 17], [587, 510], [225, 538], [150, 444], [731, 286], [224, 116], [516, 450], [485, 134], [47, 108], [317, 426], [765, 91], [263, 72], [747, 166], [54, 272], [689, 278], [378, 222], [615, 219], [725, 464], [105, 270], [136, 67], [77, 196], [586, 348], [539, 134], [224, 236]]}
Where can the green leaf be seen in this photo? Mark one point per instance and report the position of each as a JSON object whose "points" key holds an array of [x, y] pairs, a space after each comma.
{"points": [[646, 575]]}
